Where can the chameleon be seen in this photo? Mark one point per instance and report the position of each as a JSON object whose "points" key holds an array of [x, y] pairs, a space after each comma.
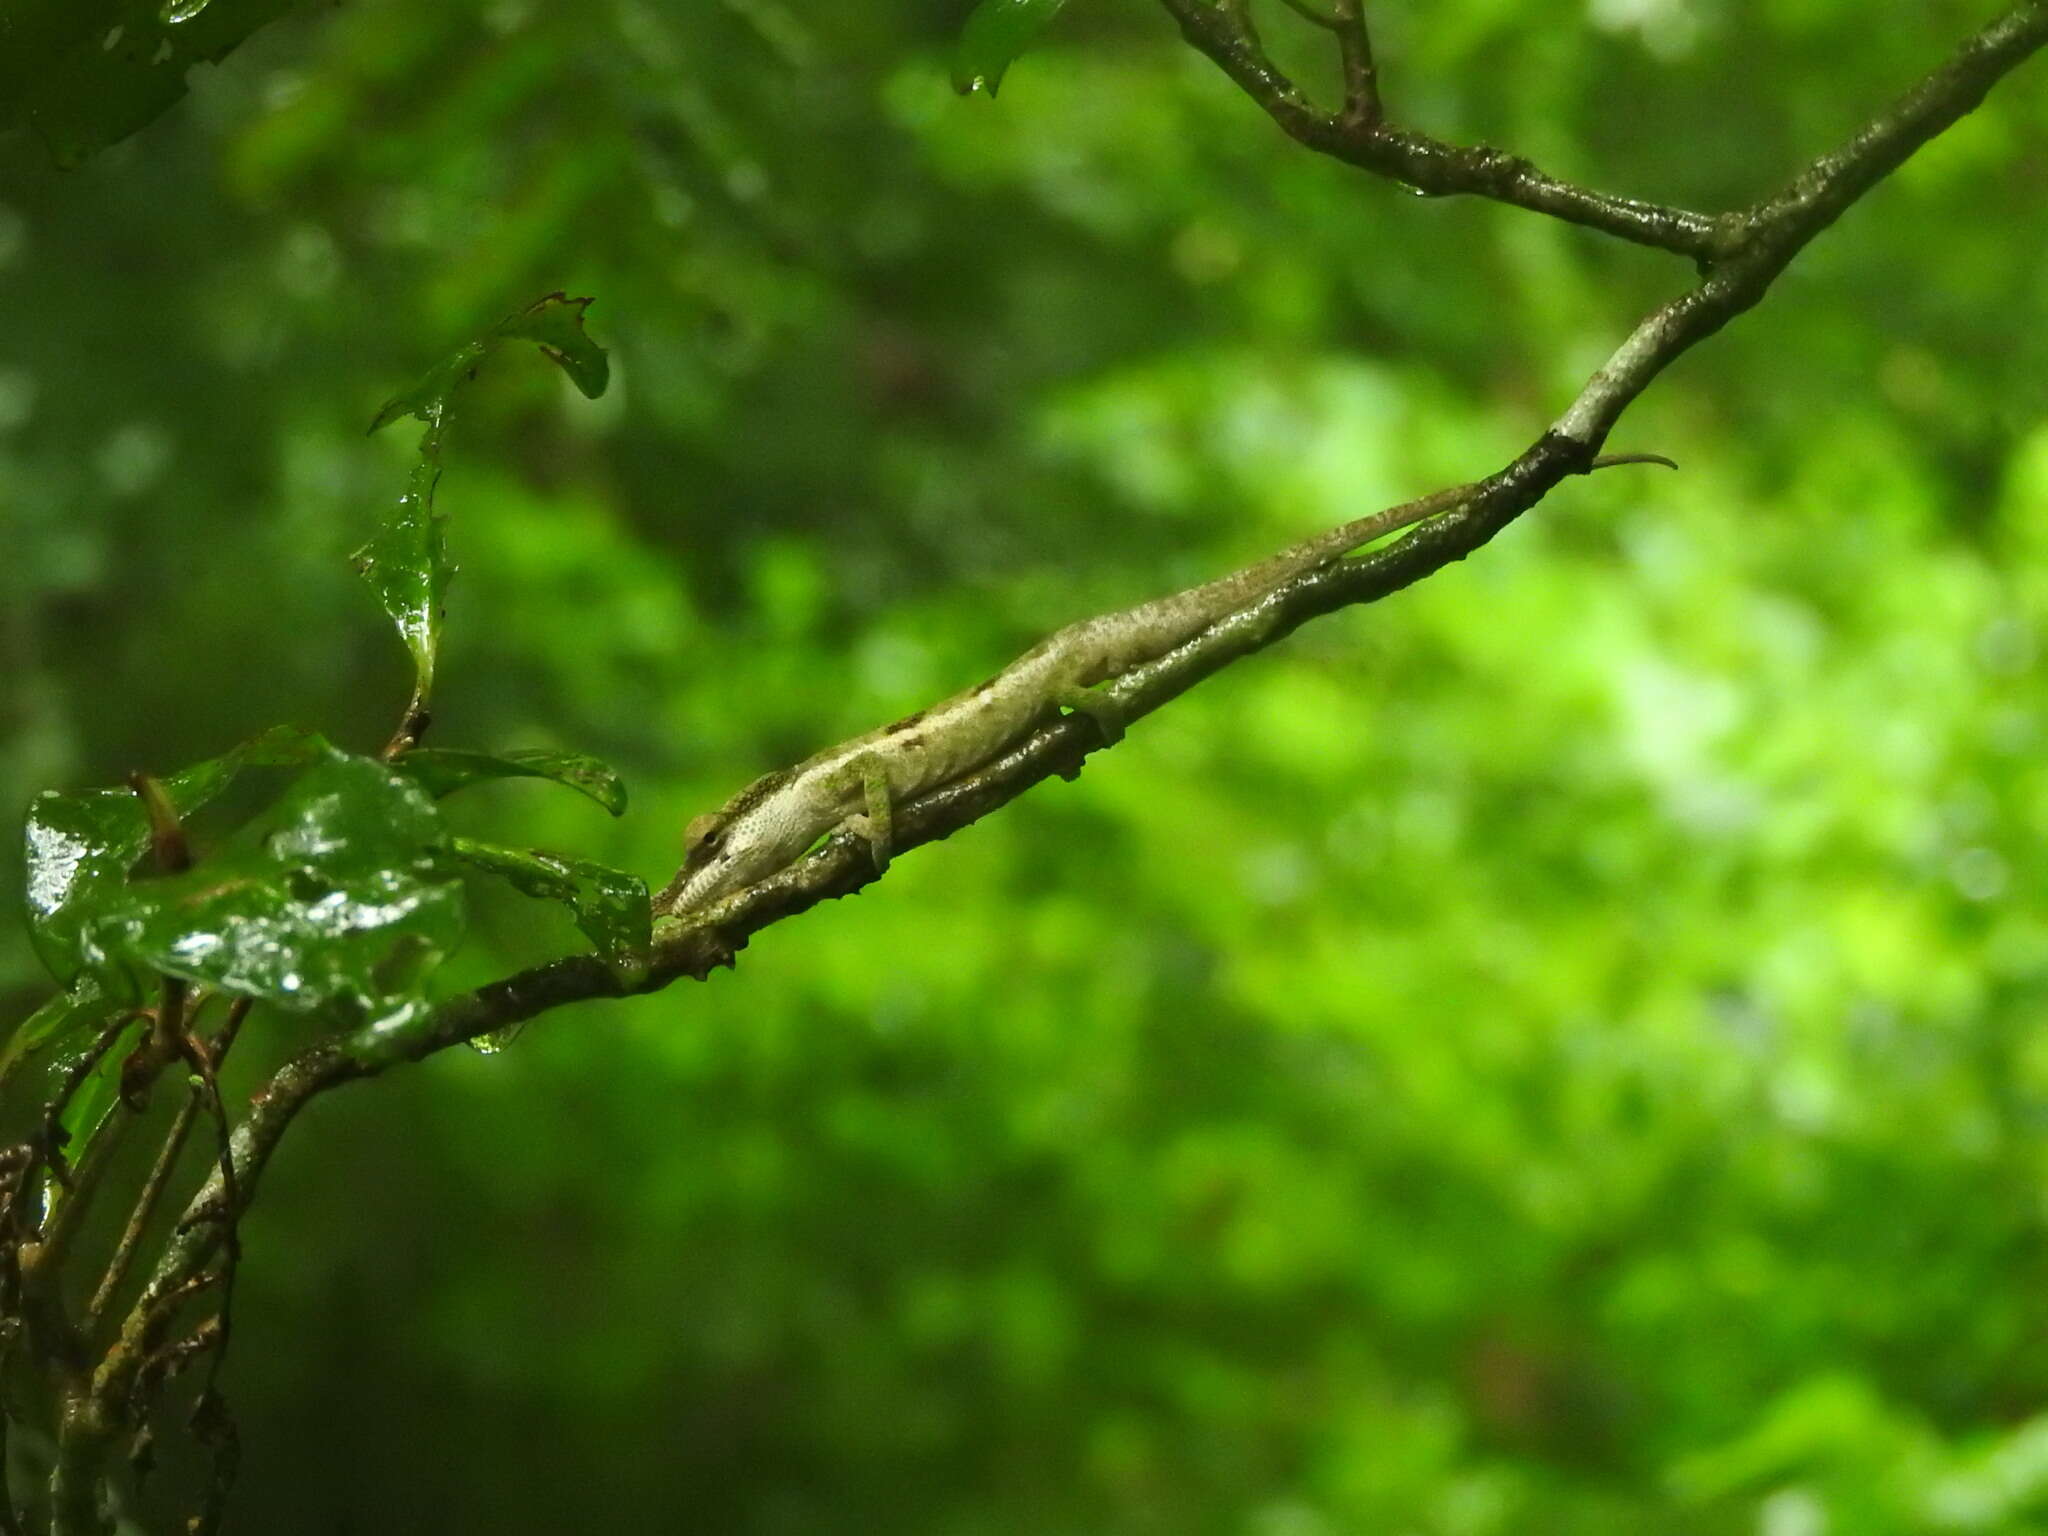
{"points": [[772, 822]]}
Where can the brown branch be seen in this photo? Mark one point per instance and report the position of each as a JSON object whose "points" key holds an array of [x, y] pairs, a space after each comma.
{"points": [[145, 1206], [1362, 109], [167, 1158], [1360, 136], [1818, 195], [1763, 241]]}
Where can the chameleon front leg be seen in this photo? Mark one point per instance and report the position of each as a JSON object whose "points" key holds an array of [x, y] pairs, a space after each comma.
{"points": [[877, 822], [1107, 714]]}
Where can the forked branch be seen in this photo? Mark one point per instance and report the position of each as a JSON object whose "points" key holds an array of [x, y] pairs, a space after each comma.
{"points": [[1359, 134]]}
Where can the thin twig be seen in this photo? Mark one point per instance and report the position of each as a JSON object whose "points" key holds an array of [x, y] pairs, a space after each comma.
{"points": [[145, 1207], [1362, 107], [172, 1358], [215, 1427], [230, 1211], [162, 1309], [160, 1174], [1313, 15], [230, 1030], [1428, 165]]}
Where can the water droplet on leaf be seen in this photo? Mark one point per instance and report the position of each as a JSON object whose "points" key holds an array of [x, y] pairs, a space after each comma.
{"points": [[176, 11]]}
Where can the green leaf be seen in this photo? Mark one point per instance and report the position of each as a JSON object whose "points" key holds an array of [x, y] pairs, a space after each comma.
{"points": [[77, 1014], [339, 897], [995, 34], [87, 73], [80, 847], [97, 1093], [442, 771], [554, 322], [555, 325], [610, 906], [282, 746], [406, 560], [406, 565], [60, 1016]]}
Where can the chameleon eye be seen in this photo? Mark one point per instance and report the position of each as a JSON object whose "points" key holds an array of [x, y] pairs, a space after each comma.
{"points": [[703, 833]]}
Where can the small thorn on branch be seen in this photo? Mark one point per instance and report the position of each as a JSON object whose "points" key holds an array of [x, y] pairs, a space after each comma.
{"points": [[1615, 460]]}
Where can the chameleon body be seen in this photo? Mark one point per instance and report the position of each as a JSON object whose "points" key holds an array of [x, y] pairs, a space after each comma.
{"points": [[775, 820]]}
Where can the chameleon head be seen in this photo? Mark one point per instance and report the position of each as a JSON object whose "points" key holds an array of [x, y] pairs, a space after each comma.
{"points": [[701, 839], [709, 861], [725, 851]]}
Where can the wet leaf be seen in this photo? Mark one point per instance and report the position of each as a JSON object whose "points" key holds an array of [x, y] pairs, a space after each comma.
{"points": [[87, 73], [610, 906], [406, 565], [79, 850], [282, 746], [81, 846], [995, 34], [441, 772], [78, 1014], [339, 897], [406, 560], [98, 1092], [554, 323]]}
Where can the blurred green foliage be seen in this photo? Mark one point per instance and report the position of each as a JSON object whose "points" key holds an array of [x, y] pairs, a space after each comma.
{"points": [[1548, 1053], [83, 74]]}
